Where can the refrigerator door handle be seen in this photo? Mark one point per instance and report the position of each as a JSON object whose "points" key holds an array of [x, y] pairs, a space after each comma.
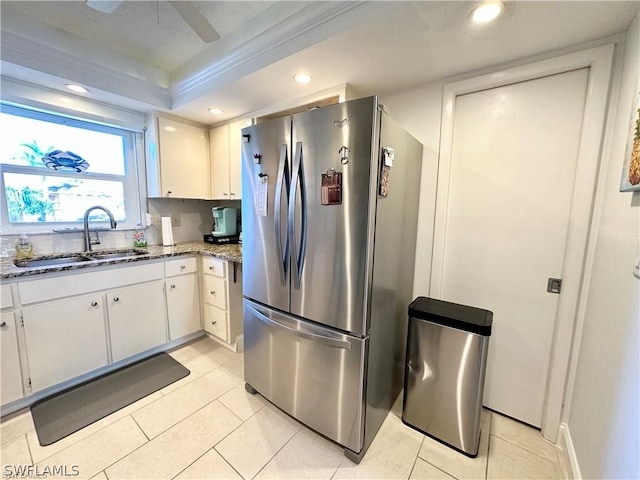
{"points": [[333, 342], [283, 177], [297, 179]]}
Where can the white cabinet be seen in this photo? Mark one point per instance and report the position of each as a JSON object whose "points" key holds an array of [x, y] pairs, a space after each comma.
{"points": [[11, 377], [64, 339], [10, 371], [136, 319], [67, 323], [183, 298], [179, 165], [222, 299], [226, 161]]}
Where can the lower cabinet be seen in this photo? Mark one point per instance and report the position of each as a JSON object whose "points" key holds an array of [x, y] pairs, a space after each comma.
{"points": [[136, 319], [11, 386], [183, 298], [64, 339], [222, 299], [76, 323]]}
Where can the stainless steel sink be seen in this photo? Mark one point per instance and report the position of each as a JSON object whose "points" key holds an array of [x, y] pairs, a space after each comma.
{"points": [[52, 261], [71, 258], [116, 255]]}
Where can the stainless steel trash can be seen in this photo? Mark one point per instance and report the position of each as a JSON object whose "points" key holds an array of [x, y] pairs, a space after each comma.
{"points": [[444, 374]]}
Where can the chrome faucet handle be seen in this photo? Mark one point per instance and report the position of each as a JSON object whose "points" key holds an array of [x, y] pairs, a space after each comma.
{"points": [[94, 241]]}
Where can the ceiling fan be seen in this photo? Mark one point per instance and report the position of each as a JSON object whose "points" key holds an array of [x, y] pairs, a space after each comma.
{"points": [[186, 9]]}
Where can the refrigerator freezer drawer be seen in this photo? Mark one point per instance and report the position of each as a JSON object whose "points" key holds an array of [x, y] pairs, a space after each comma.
{"points": [[312, 373]]}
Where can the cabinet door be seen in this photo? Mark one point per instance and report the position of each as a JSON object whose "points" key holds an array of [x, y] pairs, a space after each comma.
{"points": [[183, 305], [235, 159], [64, 339], [184, 160], [136, 319], [11, 386], [219, 148]]}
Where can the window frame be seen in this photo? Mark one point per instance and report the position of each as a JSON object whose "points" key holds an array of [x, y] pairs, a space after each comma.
{"points": [[133, 178]]}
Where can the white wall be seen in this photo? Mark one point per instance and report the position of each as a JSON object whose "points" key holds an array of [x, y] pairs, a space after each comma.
{"points": [[603, 415]]}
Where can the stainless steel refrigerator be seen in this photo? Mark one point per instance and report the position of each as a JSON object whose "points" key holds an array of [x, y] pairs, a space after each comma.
{"points": [[329, 220]]}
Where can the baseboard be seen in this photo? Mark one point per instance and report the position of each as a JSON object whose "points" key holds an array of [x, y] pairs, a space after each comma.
{"points": [[568, 454]]}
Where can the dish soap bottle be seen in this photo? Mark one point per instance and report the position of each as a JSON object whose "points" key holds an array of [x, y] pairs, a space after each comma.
{"points": [[24, 248], [139, 238]]}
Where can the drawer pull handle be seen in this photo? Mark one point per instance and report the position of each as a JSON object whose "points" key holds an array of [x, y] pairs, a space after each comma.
{"points": [[212, 268], [212, 292], [94, 304], [3, 324], [173, 286], [116, 299], [182, 267], [213, 323]]}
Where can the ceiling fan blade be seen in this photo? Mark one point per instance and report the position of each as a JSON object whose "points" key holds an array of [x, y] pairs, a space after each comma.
{"points": [[104, 6], [196, 20]]}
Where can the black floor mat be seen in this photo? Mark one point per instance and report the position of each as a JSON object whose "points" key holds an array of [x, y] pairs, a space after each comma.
{"points": [[64, 413]]}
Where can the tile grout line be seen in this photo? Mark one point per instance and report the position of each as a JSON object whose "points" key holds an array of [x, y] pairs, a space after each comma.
{"points": [[415, 460], [129, 453], [278, 451], [192, 413], [486, 467], [141, 429], [29, 448], [522, 447]]}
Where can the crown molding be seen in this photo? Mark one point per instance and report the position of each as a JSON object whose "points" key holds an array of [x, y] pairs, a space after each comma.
{"points": [[307, 26], [28, 53]]}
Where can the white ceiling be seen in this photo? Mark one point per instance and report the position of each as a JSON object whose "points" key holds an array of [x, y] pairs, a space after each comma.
{"points": [[145, 57]]}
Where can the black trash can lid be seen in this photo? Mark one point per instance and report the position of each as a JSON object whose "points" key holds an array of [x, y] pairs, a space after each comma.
{"points": [[462, 317]]}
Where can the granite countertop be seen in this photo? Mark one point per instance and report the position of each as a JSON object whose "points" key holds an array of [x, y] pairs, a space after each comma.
{"points": [[230, 252]]}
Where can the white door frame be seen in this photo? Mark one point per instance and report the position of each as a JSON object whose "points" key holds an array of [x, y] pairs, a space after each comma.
{"points": [[599, 60]]}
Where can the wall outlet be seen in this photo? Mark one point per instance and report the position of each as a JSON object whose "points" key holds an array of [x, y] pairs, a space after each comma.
{"points": [[175, 219]]}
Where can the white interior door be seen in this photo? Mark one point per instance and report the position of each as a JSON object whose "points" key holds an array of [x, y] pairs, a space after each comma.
{"points": [[510, 185]]}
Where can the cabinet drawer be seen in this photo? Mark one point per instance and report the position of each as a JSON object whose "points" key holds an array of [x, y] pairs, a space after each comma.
{"points": [[216, 322], [180, 266], [5, 296], [214, 266], [214, 291]]}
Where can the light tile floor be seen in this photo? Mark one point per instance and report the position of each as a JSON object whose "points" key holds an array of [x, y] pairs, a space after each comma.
{"points": [[206, 426]]}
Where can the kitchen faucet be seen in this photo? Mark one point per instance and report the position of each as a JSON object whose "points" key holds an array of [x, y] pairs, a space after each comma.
{"points": [[87, 238]]}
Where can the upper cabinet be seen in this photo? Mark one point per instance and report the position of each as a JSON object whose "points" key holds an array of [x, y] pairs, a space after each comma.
{"points": [[226, 161], [177, 160]]}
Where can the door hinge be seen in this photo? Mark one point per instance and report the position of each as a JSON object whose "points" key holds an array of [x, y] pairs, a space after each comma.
{"points": [[29, 381], [554, 285], [21, 321]]}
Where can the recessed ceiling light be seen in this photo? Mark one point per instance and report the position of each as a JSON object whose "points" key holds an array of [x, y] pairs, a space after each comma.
{"points": [[169, 128], [215, 111], [487, 11], [302, 77], [76, 88]]}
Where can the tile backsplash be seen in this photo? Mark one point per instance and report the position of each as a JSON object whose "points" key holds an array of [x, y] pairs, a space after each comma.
{"points": [[194, 215]]}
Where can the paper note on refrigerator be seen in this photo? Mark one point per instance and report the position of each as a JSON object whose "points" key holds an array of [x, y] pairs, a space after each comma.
{"points": [[260, 196]]}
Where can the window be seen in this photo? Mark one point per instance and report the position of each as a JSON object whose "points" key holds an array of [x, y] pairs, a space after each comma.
{"points": [[54, 168]]}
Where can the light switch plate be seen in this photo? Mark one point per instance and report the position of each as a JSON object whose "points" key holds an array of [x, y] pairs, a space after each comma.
{"points": [[175, 219]]}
